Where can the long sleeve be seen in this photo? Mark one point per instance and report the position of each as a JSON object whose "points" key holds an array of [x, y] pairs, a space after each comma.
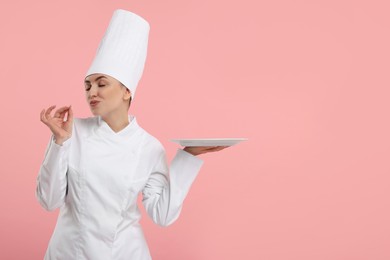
{"points": [[166, 189], [52, 180]]}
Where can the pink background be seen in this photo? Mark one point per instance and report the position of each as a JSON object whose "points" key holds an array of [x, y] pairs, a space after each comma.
{"points": [[306, 81]]}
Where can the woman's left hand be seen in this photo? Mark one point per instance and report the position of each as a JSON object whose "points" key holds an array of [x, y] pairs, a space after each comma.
{"points": [[196, 150]]}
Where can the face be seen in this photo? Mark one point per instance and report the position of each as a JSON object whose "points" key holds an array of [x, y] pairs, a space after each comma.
{"points": [[105, 95]]}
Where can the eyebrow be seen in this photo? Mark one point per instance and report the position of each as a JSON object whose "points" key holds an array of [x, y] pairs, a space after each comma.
{"points": [[87, 81]]}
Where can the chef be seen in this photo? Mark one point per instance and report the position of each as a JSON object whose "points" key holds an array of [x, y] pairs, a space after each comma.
{"points": [[94, 168]]}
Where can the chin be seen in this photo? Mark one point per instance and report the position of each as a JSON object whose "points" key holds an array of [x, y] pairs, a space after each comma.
{"points": [[95, 113]]}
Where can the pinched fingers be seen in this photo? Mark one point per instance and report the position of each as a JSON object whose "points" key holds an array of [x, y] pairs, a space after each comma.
{"points": [[70, 114], [47, 122], [69, 120], [61, 112], [43, 118], [45, 113], [48, 111]]}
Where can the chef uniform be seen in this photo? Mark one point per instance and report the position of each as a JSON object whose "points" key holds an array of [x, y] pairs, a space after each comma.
{"points": [[95, 176]]}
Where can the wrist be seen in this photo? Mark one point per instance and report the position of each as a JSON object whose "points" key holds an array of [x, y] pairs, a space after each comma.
{"points": [[59, 141], [189, 150]]}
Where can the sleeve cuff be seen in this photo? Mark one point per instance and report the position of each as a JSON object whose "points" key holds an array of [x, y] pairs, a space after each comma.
{"points": [[66, 143], [190, 158], [55, 151], [184, 169]]}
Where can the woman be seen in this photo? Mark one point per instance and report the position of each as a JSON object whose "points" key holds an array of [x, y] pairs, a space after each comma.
{"points": [[95, 167]]}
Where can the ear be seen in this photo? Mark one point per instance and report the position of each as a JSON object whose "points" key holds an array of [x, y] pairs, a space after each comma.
{"points": [[127, 94]]}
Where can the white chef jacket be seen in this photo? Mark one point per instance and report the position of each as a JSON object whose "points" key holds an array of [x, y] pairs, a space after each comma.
{"points": [[95, 177]]}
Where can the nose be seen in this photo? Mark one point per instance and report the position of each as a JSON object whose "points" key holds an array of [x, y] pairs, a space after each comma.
{"points": [[92, 91]]}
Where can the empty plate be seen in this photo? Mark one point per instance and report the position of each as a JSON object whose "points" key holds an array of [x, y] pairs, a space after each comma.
{"points": [[209, 141]]}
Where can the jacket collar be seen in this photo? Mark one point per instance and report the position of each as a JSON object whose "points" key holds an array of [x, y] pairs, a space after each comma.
{"points": [[126, 132]]}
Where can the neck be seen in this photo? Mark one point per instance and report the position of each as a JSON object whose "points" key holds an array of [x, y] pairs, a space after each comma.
{"points": [[117, 122]]}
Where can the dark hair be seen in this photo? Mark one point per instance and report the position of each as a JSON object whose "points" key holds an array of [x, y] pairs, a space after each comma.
{"points": [[129, 102]]}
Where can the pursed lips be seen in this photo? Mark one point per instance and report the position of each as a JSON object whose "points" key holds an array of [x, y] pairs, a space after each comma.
{"points": [[93, 102]]}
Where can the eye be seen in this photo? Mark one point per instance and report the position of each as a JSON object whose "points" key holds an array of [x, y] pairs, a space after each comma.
{"points": [[101, 83], [87, 87]]}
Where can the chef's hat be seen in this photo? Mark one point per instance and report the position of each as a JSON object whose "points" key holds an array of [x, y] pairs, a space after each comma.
{"points": [[122, 51]]}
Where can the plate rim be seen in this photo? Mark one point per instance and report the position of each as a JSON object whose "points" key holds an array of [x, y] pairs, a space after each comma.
{"points": [[211, 139], [232, 141]]}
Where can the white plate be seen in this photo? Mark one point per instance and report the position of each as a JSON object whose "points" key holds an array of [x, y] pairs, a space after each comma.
{"points": [[209, 141]]}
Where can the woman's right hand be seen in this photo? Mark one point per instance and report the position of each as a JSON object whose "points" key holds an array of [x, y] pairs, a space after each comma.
{"points": [[62, 130]]}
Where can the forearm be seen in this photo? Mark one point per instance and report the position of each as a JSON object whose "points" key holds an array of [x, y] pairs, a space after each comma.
{"points": [[164, 196], [52, 181]]}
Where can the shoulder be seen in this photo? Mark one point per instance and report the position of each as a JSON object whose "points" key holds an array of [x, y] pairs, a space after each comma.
{"points": [[150, 143], [153, 149]]}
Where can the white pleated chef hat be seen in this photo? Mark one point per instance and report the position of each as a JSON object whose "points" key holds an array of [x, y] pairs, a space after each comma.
{"points": [[122, 51]]}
